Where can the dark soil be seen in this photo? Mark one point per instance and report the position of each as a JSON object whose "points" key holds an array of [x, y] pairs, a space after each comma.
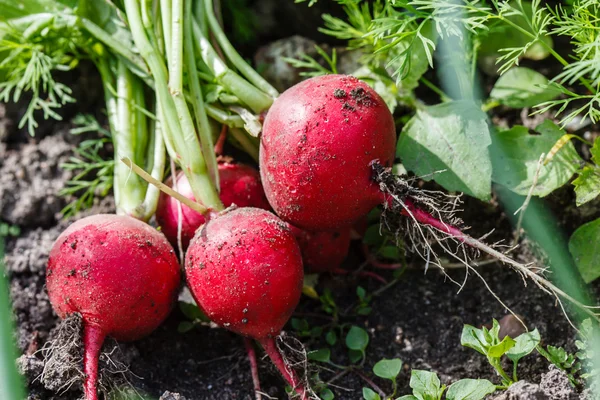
{"points": [[418, 320]]}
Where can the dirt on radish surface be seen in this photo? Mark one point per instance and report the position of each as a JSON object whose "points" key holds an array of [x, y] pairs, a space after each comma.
{"points": [[418, 320]]}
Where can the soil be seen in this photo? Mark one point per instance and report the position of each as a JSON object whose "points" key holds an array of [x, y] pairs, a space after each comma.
{"points": [[419, 319]]}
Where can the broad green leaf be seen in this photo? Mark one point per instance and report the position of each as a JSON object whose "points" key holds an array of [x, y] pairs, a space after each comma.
{"points": [[524, 344], [515, 158], [407, 397], [584, 246], [321, 355], [357, 339], [426, 385], [388, 369], [454, 138], [326, 394], [355, 356], [470, 389], [522, 87], [587, 184], [369, 394], [498, 350], [474, 338]]}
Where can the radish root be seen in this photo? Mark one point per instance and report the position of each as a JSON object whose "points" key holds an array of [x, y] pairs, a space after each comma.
{"points": [[427, 214]]}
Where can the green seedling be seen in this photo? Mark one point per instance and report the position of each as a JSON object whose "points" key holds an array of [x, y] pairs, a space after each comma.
{"points": [[487, 342]]}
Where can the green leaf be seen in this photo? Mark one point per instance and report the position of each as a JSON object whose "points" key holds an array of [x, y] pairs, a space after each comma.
{"points": [[373, 236], [192, 312], [361, 292], [470, 389], [321, 355], [369, 394], [504, 36], [426, 385], [357, 339], [524, 344], [515, 158], [522, 87], [498, 350], [388, 369], [326, 394], [584, 246], [355, 356], [407, 397], [474, 338], [451, 137], [331, 338], [587, 184]]}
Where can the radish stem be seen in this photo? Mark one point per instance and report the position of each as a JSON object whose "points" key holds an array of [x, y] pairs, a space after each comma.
{"points": [[93, 338], [253, 367], [290, 376]]}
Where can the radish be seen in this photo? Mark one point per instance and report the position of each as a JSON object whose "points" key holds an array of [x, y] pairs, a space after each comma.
{"points": [[322, 251], [244, 269], [319, 140], [240, 185], [120, 274]]}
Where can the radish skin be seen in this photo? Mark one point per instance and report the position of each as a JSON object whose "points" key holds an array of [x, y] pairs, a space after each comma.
{"points": [[319, 140], [240, 185], [244, 269], [120, 274], [322, 251]]}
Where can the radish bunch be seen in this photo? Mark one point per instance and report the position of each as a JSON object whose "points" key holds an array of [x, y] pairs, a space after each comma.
{"points": [[120, 274]]}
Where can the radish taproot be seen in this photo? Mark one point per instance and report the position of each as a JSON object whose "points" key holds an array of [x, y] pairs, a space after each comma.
{"points": [[240, 185], [322, 251], [319, 140], [120, 274], [244, 269]]}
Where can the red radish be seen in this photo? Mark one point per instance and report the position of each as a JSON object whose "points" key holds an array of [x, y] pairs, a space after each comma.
{"points": [[319, 140], [322, 251], [244, 269], [240, 185], [120, 274]]}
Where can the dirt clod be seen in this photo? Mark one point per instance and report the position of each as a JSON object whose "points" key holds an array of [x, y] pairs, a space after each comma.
{"points": [[522, 390], [556, 385], [171, 396]]}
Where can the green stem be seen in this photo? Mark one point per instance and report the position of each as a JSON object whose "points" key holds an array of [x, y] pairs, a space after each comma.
{"points": [[246, 143], [204, 132], [515, 379], [198, 178], [557, 56], [184, 143], [490, 104], [495, 362], [223, 117], [135, 62], [129, 189], [140, 121], [443, 96], [159, 160], [245, 91], [234, 56], [165, 15]]}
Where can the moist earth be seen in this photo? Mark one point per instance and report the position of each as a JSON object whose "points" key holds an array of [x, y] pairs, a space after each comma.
{"points": [[419, 319]]}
